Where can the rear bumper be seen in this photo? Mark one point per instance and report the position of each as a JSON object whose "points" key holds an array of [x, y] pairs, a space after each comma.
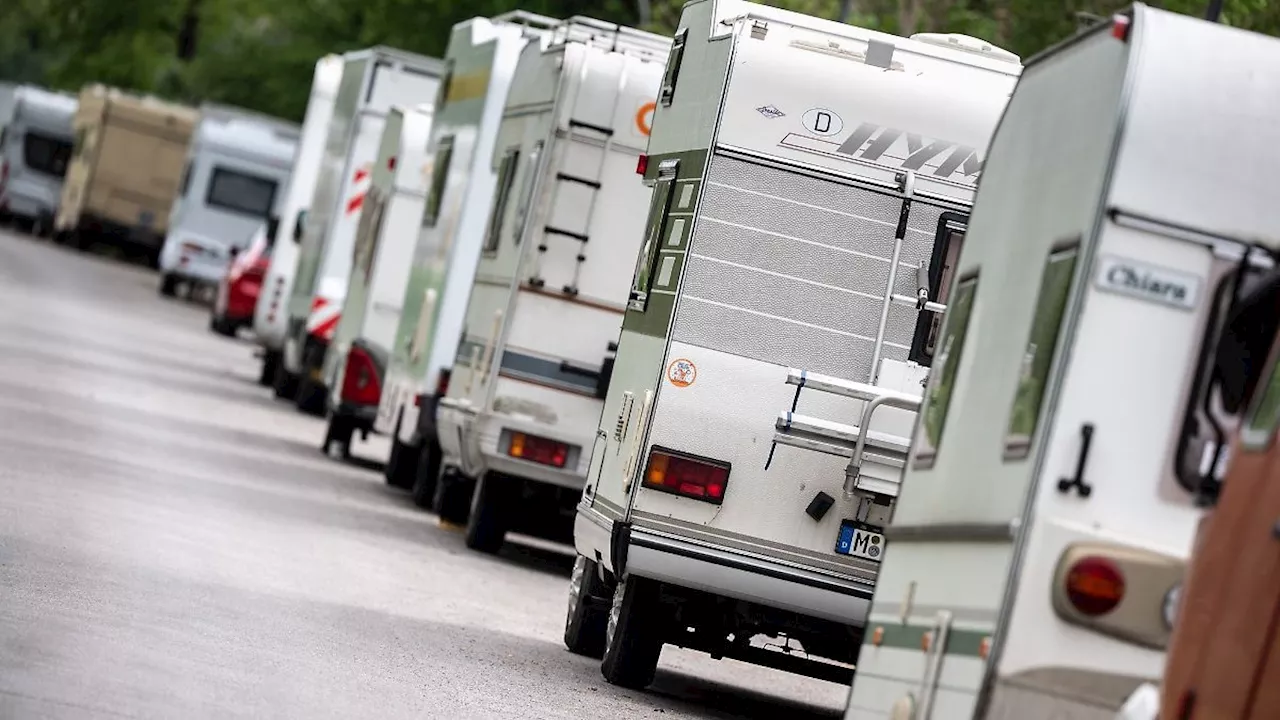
{"points": [[470, 440], [721, 571], [361, 415]]}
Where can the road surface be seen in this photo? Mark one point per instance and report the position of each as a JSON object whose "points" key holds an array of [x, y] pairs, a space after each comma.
{"points": [[173, 544]]}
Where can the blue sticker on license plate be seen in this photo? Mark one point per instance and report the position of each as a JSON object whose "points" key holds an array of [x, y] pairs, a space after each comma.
{"points": [[860, 541]]}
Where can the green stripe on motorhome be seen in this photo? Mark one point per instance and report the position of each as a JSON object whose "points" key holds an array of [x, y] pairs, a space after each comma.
{"points": [[669, 257], [962, 643]]}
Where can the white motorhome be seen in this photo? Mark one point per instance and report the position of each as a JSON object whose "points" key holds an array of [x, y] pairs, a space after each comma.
{"points": [[780, 324], [517, 422], [36, 142], [237, 166], [270, 315], [481, 58], [1036, 553], [356, 364], [372, 81]]}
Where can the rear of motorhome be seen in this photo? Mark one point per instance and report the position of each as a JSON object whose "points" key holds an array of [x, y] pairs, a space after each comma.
{"points": [[1036, 552], [481, 60], [780, 323], [372, 81], [240, 287], [237, 168], [35, 149], [517, 421], [271, 314], [356, 365], [126, 169]]}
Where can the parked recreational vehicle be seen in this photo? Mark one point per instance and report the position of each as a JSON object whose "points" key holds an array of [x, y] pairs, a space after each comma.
{"points": [[781, 321], [356, 364], [372, 81], [125, 170], [270, 315], [1037, 549], [35, 149], [237, 167], [516, 423], [481, 56]]}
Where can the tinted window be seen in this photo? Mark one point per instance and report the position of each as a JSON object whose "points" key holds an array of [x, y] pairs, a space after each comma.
{"points": [[45, 154], [238, 192], [938, 397]]}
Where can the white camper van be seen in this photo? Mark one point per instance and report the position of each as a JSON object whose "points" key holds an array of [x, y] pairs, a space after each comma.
{"points": [[372, 81], [481, 57], [36, 144], [781, 321], [237, 166], [270, 313], [356, 363], [1036, 553], [517, 421]]}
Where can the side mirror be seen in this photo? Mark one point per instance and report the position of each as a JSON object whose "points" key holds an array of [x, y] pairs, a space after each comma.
{"points": [[299, 225], [273, 226]]}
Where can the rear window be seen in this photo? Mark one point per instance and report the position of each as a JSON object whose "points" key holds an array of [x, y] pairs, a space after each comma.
{"points": [[46, 154], [242, 193]]}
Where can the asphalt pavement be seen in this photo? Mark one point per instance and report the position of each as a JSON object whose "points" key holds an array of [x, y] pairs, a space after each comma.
{"points": [[173, 544]]}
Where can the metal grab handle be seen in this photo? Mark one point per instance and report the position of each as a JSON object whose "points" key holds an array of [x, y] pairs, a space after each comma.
{"points": [[1066, 484], [864, 428]]}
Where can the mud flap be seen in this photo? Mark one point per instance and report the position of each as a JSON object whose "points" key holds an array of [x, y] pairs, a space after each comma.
{"points": [[618, 541]]}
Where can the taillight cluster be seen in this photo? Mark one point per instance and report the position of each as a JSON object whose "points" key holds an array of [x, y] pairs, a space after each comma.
{"points": [[681, 474], [360, 384], [1094, 586], [538, 449]]}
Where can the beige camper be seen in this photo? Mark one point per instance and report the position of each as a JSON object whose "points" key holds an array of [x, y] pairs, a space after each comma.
{"points": [[126, 168]]}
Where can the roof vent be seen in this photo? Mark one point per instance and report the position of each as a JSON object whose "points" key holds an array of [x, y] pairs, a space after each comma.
{"points": [[966, 43]]}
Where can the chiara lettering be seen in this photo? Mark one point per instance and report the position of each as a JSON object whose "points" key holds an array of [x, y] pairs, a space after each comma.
{"points": [[1168, 287]]}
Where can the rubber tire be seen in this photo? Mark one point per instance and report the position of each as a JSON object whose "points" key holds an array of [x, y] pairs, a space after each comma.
{"points": [[221, 326], [285, 384], [309, 398], [270, 361], [426, 474], [452, 499], [168, 285], [633, 647], [490, 513], [587, 616], [340, 430]]}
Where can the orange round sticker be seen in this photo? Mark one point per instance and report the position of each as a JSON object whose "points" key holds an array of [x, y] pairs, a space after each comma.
{"points": [[682, 372], [644, 118]]}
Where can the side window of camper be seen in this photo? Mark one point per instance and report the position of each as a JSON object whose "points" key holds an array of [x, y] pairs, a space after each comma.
{"points": [[241, 193], [937, 399], [1055, 288], [439, 176], [942, 269], [668, 91], [526, 192], [1264, 417], [642, 281], [502, 193], [186, 181]]}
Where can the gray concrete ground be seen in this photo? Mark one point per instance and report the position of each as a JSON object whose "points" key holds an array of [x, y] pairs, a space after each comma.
{"points": [[174, 545]]}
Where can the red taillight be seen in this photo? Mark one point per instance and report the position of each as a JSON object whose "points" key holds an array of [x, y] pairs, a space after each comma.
{"points": [[1120, 27], [360, 383], [442, 383], [391, 163], [642, 164], [537, 449], [1094, 586], [697, 478]]}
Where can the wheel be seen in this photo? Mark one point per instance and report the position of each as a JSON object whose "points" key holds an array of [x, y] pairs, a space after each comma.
{"points": [[426, 473], [452, 500], [309, 397], [285, 383], [40, 226], [490, 513], [402, 465], [588, 616], [340, 431], [222, 326], [270, 365], [168, 285], [633, 634]]}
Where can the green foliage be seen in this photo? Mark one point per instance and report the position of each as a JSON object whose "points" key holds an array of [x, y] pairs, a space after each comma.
{"points": [[260, 54]]}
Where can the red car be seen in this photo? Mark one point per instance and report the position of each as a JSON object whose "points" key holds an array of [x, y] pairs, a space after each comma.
{"points": [[238, 290]]}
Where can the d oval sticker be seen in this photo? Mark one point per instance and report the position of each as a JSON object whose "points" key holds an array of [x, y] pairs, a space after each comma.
{"points": [[821, 121], [1148, 282], [682, 372]]}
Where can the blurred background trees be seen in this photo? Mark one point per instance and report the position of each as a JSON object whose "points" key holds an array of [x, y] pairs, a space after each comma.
{"points": [[259, 54]]}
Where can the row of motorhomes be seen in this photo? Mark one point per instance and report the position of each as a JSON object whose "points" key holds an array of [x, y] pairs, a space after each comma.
{"points": [[927, 373], [188, 187]]}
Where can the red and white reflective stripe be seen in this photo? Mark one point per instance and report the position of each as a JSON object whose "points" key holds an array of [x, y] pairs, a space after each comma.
{"points": [[357, 200], [324, 317]]}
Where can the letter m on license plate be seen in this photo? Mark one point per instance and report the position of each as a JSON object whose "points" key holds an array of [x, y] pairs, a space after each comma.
{"points": [[861, 541]]}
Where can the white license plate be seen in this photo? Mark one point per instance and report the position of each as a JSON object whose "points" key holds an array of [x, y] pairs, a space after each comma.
{"points": [[860, 542]]}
